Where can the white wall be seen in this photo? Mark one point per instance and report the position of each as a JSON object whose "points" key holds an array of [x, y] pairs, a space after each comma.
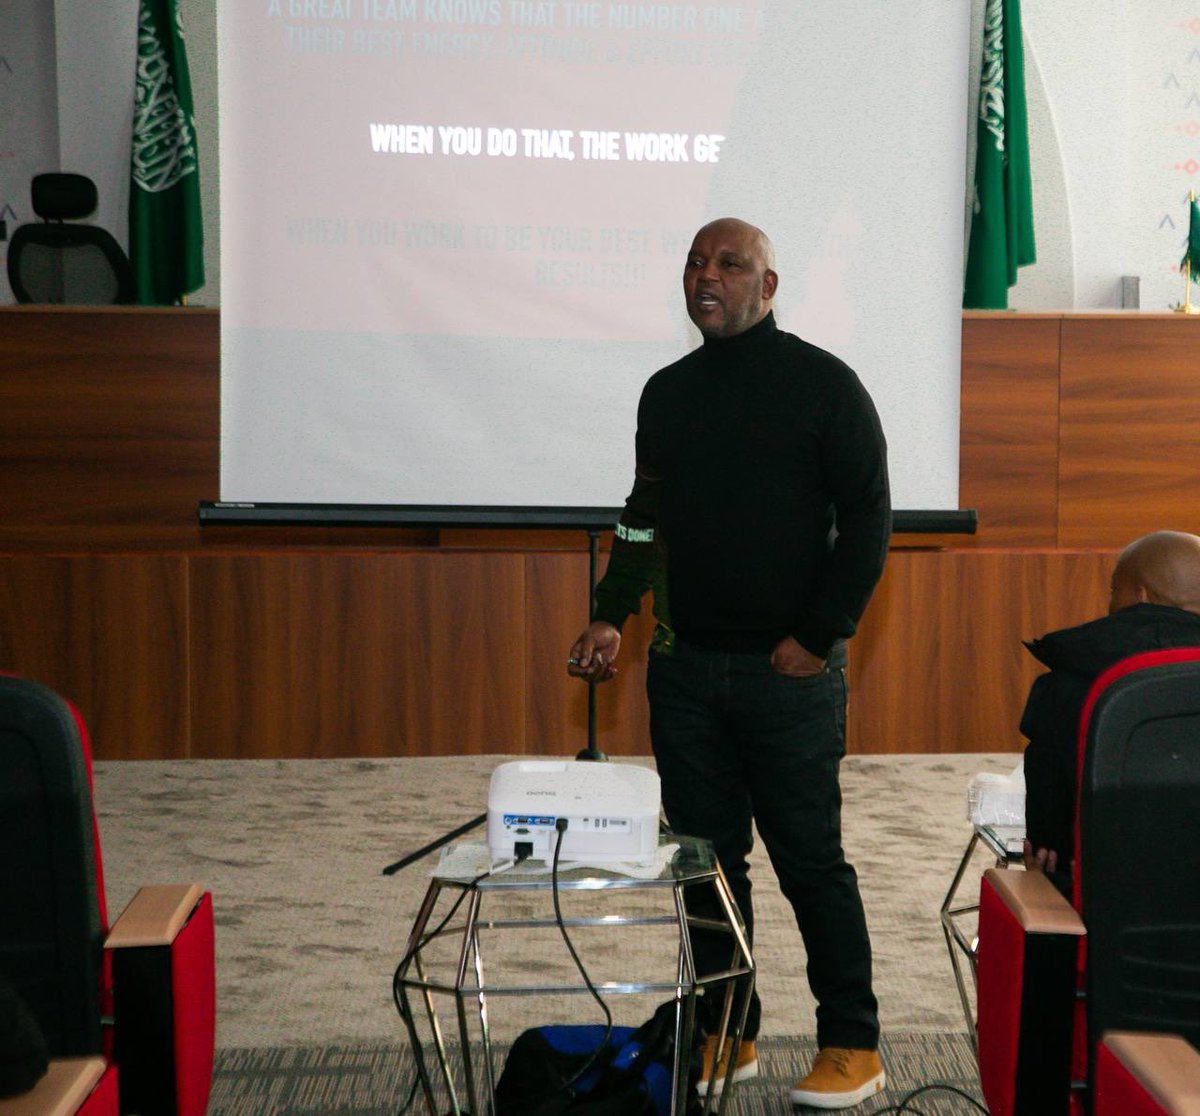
{"points": [[96, 50], [199, 19], [28, 119], [1114, 110]]}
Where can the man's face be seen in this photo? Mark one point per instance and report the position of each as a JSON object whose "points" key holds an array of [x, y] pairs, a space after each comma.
{"points": [[726, 282]]}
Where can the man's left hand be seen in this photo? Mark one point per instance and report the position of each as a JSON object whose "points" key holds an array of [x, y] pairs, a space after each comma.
{"points": [[1039, 860], [795, 661]]}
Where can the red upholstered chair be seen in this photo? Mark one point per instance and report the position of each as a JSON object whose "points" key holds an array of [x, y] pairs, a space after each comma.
{"points": [[1047, 989], [128, 1013], [1140, 1074]]}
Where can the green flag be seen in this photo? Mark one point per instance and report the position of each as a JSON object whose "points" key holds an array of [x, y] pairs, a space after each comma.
{"points": [[166, 240], [1190, 264], [1002, 222]]}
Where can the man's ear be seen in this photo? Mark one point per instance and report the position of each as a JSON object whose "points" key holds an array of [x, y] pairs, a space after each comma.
{"points": [[1147, 596], [770, 283]]}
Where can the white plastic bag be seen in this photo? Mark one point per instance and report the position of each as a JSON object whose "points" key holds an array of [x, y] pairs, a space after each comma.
{"points": [[997, 799]]}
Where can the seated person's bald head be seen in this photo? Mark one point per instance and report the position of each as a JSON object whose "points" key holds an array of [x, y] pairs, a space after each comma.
{"points": [[1159, 568]]}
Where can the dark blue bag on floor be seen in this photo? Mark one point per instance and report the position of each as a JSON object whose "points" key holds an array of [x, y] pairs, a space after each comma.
{"points": [[631, 1076]]}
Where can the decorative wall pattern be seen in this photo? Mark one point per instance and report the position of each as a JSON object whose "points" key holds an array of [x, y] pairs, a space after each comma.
{"points": [[1180, 96], [1114, 111]]}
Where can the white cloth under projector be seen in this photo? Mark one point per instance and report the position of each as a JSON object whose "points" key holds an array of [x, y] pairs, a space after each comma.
{"points": [[997, 799], [611, 810]]}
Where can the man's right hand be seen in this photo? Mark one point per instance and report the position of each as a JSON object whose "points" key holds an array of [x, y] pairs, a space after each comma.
{"points": [[593, 653]]}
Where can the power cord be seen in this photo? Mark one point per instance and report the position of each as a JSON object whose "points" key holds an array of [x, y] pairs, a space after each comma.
{"points": [[904, 1107], [901, 1109], [560, 825]]}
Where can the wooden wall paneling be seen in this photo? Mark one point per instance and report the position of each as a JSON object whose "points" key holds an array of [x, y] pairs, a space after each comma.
{"points": [[333, 654], [904, 697], [110, 634], [938, 664], [1076, 588], [1130, 428], [1008, 463], [107, 417], [307, 641], [556, 612], [523, 539]]}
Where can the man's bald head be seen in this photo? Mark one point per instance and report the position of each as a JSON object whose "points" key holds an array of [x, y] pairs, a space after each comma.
{"points": [[752, 234], [1159, 568]]}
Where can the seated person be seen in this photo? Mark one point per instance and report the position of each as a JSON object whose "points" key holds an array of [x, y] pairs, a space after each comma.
{"points": [[1154, 605]]}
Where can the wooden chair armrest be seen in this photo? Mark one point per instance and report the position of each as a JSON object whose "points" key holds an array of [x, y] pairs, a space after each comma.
{"points": [[1035, 902], [64, 1088], [154, 916], [1168, 1066]]}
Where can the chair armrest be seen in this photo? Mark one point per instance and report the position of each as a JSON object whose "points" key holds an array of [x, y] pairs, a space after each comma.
{"points": [[1029, 937], [155, 915], [1036, 904], [1165, 1067], [65, 1086], [164, 999]]}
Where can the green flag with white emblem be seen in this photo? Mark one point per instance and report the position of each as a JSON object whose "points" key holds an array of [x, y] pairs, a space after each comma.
{"points": [[1190, 264], [1002, 221], [166, 240]]}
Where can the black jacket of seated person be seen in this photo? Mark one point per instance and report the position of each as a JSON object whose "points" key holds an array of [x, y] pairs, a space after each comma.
{"points": [[1076, 657]]}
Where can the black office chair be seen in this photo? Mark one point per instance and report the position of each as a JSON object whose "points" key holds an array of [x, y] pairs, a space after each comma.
{"points": [[58, 262]]}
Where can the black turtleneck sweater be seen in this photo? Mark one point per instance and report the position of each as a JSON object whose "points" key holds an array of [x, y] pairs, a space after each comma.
{"points": [[749, 451]]}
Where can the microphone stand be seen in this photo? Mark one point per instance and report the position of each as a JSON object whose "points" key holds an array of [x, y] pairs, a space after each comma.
{"points": [[591, 753]]}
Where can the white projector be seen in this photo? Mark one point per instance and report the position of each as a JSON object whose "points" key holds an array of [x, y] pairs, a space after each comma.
{"points": [[610, 810]]}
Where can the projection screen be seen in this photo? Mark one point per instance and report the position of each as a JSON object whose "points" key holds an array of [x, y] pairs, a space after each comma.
{"points": [[453, 231]]}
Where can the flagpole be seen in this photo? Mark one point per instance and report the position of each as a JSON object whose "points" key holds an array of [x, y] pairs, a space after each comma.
{"points": [[1186, 307], [1187, 267]]}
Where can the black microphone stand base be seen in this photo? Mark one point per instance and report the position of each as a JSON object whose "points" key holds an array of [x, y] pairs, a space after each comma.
{"points": [[592, 754]]}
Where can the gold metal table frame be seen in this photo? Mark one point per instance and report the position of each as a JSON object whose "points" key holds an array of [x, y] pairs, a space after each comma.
{"points": [[693, 865], [1004, 842]]}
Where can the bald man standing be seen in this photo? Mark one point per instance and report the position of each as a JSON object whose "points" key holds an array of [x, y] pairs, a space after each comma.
{"points": [[761, 493], [1154, 604]]}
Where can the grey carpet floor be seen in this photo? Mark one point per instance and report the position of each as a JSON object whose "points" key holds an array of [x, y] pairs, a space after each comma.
{"points": [[373, 1080], [309, 931]]}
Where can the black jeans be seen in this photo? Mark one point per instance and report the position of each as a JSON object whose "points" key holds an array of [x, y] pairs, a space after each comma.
{"points": [[733, 741]]}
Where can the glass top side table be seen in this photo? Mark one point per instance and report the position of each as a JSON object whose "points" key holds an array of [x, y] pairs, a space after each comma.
{"points": [[479, 920]]}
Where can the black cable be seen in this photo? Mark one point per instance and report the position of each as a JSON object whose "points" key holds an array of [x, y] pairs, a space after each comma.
{"points": [[412, 1095], [425, 850], [561, 828], [903, 1107], [561, 825]]}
